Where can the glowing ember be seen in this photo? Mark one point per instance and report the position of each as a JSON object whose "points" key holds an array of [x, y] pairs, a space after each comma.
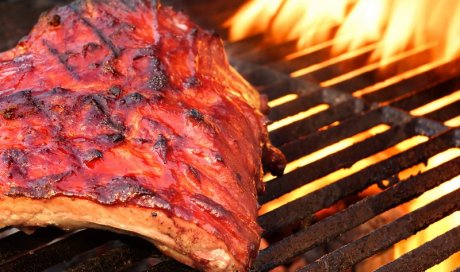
{"points": [[437, 104], [392, 27], [441, 226], [282, 100], [299, 116], [342, 173]]}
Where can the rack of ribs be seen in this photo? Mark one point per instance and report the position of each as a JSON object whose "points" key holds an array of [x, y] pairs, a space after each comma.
{"points": [[126, 115]]}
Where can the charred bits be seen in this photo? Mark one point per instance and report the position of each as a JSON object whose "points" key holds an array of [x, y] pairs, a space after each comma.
{"points": [[8, 114], [91, 156], [196, 115], [195, 173], [89, 48], [161, 147], [132, 99], [158, 78], [191, 82], [115, 91], [54, 20], [16, 161], [111, 139], [157, 81]]}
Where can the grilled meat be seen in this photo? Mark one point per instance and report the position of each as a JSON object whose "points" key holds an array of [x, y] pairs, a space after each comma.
{"points": [[125, 115]]}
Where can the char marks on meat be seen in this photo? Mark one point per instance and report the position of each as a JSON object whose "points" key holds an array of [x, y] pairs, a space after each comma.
{"points": [[128, 107]]}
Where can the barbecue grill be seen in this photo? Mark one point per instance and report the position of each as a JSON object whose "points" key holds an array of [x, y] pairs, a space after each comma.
{"points": [[333, 111]]}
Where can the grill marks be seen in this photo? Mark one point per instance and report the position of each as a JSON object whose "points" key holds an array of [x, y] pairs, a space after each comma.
{"points": [[124, 128], [17, 106], [100, 112], [158, 79], [16, 162], [63, 59], [102, 37], [161, 147]]}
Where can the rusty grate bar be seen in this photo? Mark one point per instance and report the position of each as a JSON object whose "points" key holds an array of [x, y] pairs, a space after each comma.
{"points": [[349, 127], [240, 46], [446, 113], [298, 243], [442, 76], [427, 95], [315, 56], [399, 229], [338, 112], [19, 242], [113, 255], [266, 54], [50, 254], [370, 76], [307, 205], [271, 83], [341, 159], [429, 254]]}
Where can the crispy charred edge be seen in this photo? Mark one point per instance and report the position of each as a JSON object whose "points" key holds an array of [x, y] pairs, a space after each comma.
{"points": [[126, 190], [169, 234], [273, 159]]}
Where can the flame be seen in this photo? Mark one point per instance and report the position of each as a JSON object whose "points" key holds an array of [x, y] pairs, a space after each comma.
{"points": [[390, 26], [440, 227]]}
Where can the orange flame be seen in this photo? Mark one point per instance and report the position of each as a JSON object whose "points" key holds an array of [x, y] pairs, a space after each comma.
{"points": [[394, 26], [442, 225], [387, 31]]}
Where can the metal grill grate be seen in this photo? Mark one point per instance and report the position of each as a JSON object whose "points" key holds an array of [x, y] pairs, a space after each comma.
{"points": [[295, 228]]}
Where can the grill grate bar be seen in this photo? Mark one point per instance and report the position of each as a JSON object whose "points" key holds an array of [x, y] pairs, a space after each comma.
{"points": [[339, 112], [368, 75], [428, 254], [154, 266], [320, 139], [145, 264], [399, 229], [300, 104], [318, 54], [266, 54], [428, 95], [286, 86], [446, 113], [239, 47], [412, 85], [113, 255], [341, 159], [306, 206], [19, 243], [354, 215], [49, 255]]}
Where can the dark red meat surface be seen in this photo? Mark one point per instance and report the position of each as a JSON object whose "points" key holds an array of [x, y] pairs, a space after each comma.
{"points": [[130, 103]]}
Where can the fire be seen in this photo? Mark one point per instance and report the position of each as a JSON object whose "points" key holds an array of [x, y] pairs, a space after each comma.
{"points": [[390, 27], [439, 227], [389, 33]]}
